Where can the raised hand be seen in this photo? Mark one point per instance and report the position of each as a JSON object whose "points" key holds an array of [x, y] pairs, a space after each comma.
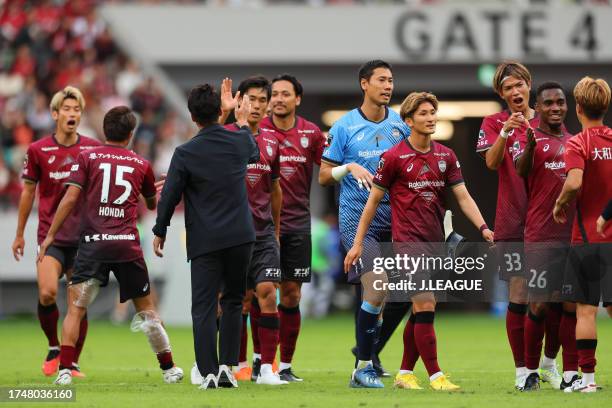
{"points": [[228, 102]]}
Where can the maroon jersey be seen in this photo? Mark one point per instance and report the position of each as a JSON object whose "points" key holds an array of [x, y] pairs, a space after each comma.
{"points": [[591, 151], [48, 163], [300, 147], [511, 190], [112, 179], [544, 184], [416, 182], [259, 180]]}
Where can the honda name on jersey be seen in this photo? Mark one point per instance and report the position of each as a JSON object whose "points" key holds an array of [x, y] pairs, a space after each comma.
{"points": [[111, 212], [109, 237]]}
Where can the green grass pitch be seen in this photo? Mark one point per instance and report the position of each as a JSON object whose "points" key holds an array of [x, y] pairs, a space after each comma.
{"points": [[121, 370]]}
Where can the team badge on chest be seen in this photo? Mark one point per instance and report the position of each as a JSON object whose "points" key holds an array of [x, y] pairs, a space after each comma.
{"points": [[442, 165], [304, 141]]}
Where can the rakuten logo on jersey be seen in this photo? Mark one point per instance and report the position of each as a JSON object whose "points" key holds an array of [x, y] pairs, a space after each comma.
{"points": [[59, 175], [417, 185], [296, 159], [370, 153], [554, 165]]}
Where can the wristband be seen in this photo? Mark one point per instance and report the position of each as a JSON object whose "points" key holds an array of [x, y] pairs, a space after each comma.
{"points": [[483, 227], [339, 172], [503, 135]]}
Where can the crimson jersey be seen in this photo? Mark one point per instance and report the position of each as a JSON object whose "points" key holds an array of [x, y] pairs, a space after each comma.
{"points": [[300, 147], [511, 191], [416, 182], [544, 184], [112, 179], [259, 180], [591, 151], [48, 163]]}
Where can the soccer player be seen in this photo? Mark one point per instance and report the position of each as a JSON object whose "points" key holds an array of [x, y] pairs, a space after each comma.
{"points": [[354, 145], [112, 179], [301, 146], [588, 163], [416, 173], [496, 142], [265, 199], [47, 165], [540, 159]]}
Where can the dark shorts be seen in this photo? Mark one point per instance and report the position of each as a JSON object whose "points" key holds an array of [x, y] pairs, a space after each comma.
{"points": [[374, 245], [295, 257], [133, 276], [545, 268], [64, 255], [510, 259], [588, 274], [265, 262]]}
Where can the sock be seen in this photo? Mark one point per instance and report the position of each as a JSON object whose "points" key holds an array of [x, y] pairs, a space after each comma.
{"points": [[256, 356], [66, 357], [520, 371], [534, 336], [290, 321], [552, 323], [547, 362], [411, 353], [268, 336], [425, 339], [402, 372], [366, 330], [244, 337], [48, 317], [255, 312], [81, 340], [436, 376], [515, 328], [284, 366], [379, 324], [165, 360], [586, 355], [393, 314], [362, 364], [242, 364], [588, 378], [567, 335]]}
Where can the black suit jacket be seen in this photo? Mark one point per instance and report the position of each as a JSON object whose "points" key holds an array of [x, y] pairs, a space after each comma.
{"points": [[209, 172]]}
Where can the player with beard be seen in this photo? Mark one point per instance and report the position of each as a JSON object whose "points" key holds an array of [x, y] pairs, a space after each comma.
{"points": [[588, 276], [300, 145], [265, 199], [540, 160], [354, 145], [47, 165], [496, 142], [416, 173], [111, 178]]}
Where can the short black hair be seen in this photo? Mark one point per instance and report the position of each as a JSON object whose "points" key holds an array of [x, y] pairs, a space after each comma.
{"points": [[204, 104], [118, 123], [258, 81], [367, 69], [297, 87], [546, 86]]}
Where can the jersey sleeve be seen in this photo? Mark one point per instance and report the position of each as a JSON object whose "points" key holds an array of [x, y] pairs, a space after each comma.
{"points": [[453, 174], [78, 172], [31, 169], [489, 131], [334, 146], [148, 183], [575, 154], [318, 146], [385, 172]]}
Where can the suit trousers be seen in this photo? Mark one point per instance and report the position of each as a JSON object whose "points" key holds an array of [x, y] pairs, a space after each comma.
{"points": [[223, 271]]}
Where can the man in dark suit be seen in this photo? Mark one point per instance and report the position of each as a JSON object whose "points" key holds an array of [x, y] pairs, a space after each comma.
{"points": [[209, 172]]}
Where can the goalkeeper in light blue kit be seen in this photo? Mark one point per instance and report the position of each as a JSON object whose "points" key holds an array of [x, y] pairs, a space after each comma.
{"points": [[354, 146]]}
